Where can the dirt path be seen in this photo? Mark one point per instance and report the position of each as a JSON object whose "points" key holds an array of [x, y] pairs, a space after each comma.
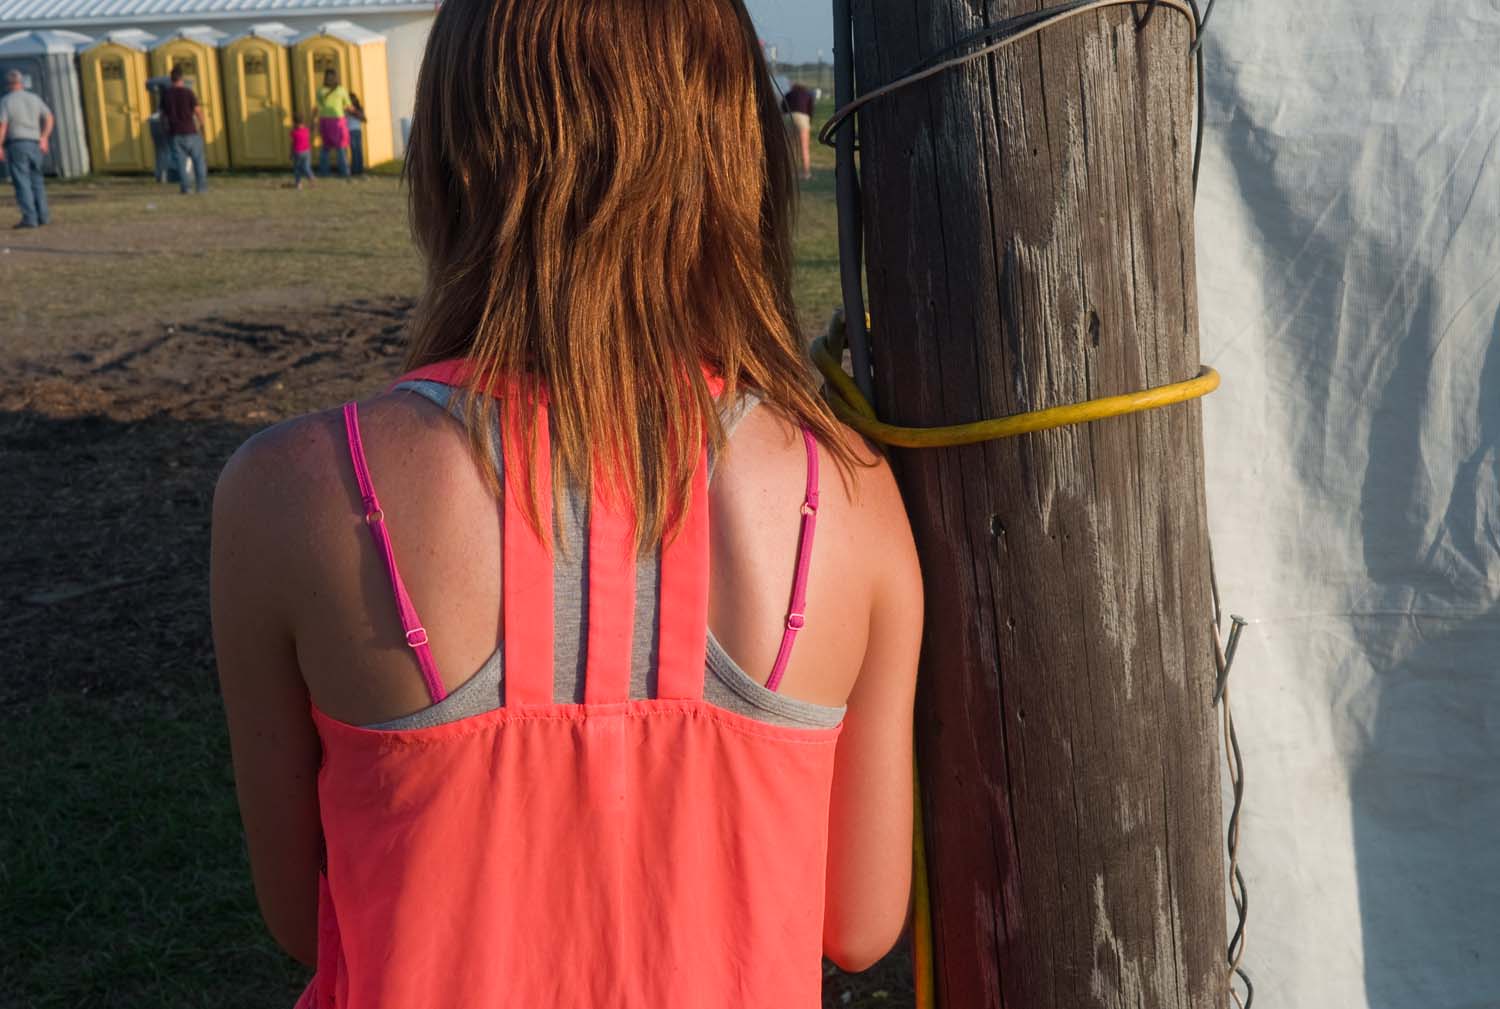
{"points": [[109, 450]]}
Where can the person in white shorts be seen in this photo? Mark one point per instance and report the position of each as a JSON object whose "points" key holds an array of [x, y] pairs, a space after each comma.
{"points": [[798, 105]]}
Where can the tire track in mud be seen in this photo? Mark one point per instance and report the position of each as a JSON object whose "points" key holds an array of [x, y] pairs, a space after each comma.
{"points": [[109, 450]]}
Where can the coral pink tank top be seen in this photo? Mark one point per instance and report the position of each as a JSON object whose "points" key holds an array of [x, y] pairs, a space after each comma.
{"points": [[614, 854]]}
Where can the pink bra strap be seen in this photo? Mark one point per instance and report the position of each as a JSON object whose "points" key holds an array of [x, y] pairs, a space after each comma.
{"points": [[796, 613], [416, 635]]}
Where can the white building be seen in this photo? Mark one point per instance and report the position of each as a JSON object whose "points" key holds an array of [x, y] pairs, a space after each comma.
{"points": [[403, 23]]}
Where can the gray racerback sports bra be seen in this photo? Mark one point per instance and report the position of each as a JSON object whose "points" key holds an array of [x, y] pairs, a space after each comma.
{"points": [[726, 686]]}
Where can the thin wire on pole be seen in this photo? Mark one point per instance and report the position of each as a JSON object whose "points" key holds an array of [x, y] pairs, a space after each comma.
{"points": [[846, 182]]}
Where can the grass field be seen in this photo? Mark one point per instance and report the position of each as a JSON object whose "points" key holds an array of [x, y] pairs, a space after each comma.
{"points": [[124, 253], [127, 253], [142, 337]]}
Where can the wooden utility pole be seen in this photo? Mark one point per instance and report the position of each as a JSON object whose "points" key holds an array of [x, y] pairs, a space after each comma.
{"points": [[1029, 227]]}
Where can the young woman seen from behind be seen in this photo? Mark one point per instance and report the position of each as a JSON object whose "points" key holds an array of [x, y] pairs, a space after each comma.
{"points": [[576, 669]]}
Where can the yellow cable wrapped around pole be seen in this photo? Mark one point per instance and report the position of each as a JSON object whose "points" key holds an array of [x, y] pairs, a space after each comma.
{"points": [[853, 409], [852, 405]]}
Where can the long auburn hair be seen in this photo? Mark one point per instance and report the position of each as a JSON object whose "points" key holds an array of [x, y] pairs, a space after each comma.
{"points": [[603, 194]]}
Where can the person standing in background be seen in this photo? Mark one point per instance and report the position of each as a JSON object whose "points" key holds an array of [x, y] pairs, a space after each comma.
{"points": [[184, 116], [798, 104], [301, 151], [356, 121], [333, 129], [25, 133], [161, 141]]}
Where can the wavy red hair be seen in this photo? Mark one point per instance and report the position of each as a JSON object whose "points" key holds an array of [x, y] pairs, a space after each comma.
{"points": [[603, 194]]}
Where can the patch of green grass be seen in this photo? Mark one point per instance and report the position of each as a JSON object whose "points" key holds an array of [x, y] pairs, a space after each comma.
{"points": [[392, 168], [123, 880], [127, 252]]}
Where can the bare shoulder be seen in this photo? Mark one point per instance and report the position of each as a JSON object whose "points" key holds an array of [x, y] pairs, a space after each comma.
{"points": [[308, 456], [281, 465], [871, 486], [291, 483], [878, 523], [860, 499]]}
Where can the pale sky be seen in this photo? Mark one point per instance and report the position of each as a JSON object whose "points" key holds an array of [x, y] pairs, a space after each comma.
{"points": [[797, 28]]}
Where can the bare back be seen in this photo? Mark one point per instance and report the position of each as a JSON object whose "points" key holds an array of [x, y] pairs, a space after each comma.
{"points": [[446, 531], [295, 575]]}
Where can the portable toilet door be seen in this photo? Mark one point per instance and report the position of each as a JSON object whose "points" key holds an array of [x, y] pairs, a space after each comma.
{"points": [[258, 97], [47, 59], [113, 71], [196, 51], [358, 56]]}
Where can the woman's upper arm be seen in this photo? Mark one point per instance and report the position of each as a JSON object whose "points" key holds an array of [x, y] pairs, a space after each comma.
{"points": [[870, 822], [272, 738]]}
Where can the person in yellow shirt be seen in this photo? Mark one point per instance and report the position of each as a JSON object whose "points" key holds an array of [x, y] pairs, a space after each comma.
{"points": [[333, 104]]}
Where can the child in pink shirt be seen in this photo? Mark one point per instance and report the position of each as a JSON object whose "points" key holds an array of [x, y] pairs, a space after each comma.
{"points": [[301, 151]]}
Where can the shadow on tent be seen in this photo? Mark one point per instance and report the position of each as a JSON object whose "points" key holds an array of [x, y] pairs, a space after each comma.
{"points": [[1426, 791]]}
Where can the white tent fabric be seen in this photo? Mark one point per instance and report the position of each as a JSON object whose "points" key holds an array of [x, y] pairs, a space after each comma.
{"points": [[1349, 273]]}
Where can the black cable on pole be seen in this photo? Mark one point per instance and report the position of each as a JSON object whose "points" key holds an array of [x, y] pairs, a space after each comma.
{"points": [[851, 228]]}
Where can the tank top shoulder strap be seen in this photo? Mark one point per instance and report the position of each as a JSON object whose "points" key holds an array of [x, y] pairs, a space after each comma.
{"points": [[681, 606], [527, 575], [526, 583], [682, 638]]}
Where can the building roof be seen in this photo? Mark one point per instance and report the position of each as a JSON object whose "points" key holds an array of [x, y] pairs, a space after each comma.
{"points": [[47, 41], [104, 13], [196, 33], [275, 31], [133, 38], [347, 31]]}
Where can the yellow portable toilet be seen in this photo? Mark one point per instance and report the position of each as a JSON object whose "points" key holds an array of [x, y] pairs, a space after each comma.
{"points": [[196, 51], [113, 73], [258, 96], [358, 56]]}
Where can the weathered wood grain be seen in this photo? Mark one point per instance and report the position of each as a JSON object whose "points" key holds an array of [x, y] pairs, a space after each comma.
{"points": [[1030, 233]]}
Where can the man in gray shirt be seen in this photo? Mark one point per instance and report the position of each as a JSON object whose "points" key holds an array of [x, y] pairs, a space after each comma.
{"points": [[25, 132]]}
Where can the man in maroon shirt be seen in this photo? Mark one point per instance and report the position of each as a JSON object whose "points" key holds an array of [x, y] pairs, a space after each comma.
{"points": [[184, 118]]}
